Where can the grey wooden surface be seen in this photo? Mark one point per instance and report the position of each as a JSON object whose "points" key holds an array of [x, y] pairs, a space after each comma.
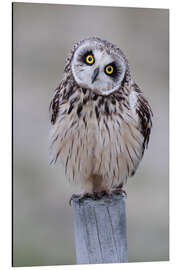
{"points": [[100, 230]]}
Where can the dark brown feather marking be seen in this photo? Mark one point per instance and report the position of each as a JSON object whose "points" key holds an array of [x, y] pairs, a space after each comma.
{"points": [[106, 108], [70, 108], [54, 106], [84, 90], [114, 173], [66, 164], [118, 123], [97, 112], [73, 173], [145, 115], [84, 120], [79, 109], [125, 105], [58, 153], [127, 165], [85, 100], [94, 97], [110, 161], [54, 140], [117, 160], [113, 100], [101, 101], [73, 100], [68, 92], [73, 123]]}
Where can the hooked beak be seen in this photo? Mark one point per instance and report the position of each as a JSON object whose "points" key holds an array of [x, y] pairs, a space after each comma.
{"points": [[95, 74]]}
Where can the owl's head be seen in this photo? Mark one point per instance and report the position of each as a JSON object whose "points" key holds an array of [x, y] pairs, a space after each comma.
{"points": [[98, 65]]}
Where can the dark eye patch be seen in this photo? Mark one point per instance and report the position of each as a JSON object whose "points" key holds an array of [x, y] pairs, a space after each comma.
{"points": [[116, 70], [83, 56]]}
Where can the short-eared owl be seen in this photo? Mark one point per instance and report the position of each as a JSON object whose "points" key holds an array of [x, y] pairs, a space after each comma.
{"points": [[100, 120]]}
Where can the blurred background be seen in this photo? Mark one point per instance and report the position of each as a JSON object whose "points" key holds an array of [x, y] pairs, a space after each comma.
{"points": [[42, 218]]}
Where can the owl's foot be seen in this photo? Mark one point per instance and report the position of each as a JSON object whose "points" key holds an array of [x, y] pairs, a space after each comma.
{"points": [[93, 196], [101, 194], [120, 191], [96, 195], [82, 197]]}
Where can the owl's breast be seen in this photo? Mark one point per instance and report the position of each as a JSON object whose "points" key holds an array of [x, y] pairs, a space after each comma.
{"points": [[97, 137], [119, 141]]}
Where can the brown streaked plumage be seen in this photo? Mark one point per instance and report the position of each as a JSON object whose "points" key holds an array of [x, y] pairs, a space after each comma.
{"points": [[100, 127]]}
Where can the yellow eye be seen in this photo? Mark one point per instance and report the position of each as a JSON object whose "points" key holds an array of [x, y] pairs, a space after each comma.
{"points": [[109, 69], [90, 59]]}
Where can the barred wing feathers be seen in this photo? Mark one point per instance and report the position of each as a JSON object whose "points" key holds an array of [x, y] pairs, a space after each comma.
{"points": [[145, 116], [54, 106]]}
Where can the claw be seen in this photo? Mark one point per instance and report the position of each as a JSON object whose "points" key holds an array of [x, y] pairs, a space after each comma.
{"points": [[98, 195], [79, 197], [84, 196], [120, 191], [74, 196]]}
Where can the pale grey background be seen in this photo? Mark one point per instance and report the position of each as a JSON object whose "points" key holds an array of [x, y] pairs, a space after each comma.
{"points": [[43, 36]]}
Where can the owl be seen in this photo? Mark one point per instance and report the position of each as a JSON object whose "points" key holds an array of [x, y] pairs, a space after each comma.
{"points": [[100, 121]]}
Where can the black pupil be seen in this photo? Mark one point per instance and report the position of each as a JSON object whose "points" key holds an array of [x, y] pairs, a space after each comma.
{"points": [[90, 58], [109, 69]]}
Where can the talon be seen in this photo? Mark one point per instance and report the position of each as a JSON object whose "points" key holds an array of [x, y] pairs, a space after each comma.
{"points": [[74, 196], [103, 193], [99, 195], [92, 196], [120, 191], [84, 196]]}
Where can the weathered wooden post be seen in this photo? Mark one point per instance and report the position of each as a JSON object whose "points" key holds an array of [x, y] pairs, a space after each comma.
{"points": [[100, 230]]}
